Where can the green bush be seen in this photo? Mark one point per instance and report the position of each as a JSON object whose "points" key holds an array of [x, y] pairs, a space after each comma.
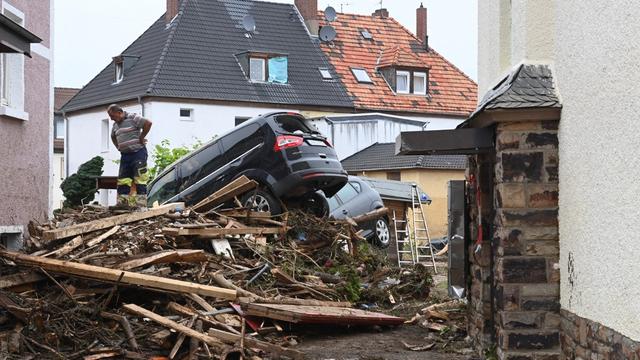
{"points": [[164, 155], [80, 188]]}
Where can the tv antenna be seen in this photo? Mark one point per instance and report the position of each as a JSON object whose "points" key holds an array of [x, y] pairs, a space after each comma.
{"points": [[342, 5]]}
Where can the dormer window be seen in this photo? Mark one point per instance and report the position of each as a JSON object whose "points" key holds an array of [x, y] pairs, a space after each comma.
{"points": [[257, 69], [264, 67], [122, 65], [420, 83], [403, 82]]}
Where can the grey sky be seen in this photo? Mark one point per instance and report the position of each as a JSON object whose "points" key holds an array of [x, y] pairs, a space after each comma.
{"points": [[88, 33]]}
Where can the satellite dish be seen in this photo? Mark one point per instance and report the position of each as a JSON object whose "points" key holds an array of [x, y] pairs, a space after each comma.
{"points": [[249, 23], [327, 33], [330, 14]]}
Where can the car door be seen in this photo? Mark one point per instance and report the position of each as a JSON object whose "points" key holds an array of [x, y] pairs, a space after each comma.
{"points": [[347, 207], [201, 173], [242, 149]]}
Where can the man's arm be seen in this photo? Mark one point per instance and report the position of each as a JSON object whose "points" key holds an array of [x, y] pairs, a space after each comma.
{"points": [[114, 140], [145, 130]]}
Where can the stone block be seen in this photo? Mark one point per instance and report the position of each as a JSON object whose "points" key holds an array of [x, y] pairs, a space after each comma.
{"points": [[507, 297], [508, 140], [552, 320], [532, 341], [515, 218], [542, 248], [548, 357], [542, 195], [545, 303], [522, 270], [510, 241], [521, 319], [545, 140], [520, 167], [511, 195], [550, 124], [540, 233], [551, 173], [540, 290]]}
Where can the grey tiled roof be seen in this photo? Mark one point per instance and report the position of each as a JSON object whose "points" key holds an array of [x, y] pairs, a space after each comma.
{"points": [[373, 117], [395, 190], [527, 86], [195, 58], [382, 157]]}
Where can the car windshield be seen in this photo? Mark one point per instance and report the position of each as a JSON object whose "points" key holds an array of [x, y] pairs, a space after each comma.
{"points": [[164, 188], [292, 124]]}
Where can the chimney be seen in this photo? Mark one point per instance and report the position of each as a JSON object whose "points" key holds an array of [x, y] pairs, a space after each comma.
{"points": [[421, 25], [309, 11], [381, 13], [172, 10]]}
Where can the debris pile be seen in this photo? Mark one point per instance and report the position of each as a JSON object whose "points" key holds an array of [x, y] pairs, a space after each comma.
{"points": [[210, 281]]}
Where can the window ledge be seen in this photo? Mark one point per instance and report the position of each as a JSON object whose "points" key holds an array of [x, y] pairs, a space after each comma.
{"points": [[7, 111]]}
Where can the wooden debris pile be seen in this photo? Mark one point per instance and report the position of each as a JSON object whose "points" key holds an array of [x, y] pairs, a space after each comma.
{"points": [[184, 283]]}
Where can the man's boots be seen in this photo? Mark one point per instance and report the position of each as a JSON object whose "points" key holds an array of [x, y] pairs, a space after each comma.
{"points": [[122, 203], [141, 201]]}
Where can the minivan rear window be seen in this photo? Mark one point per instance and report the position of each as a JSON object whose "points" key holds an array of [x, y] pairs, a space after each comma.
{"points": [[292, 123]]}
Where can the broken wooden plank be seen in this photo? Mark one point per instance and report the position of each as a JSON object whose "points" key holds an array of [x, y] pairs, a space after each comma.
{"points": [[140, 311], [19, 279], [237, 187], [239, 213], [218, 232], [123, 277], [166, 256], [100, 224], [102, 237], [14, 309], [294, 301], [67, 248], [230, 338], [371, 215], [320, 314]]}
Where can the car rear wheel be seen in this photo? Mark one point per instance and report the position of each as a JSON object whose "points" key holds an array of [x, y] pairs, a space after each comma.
{"points": [[262, 200], [383, 235]]}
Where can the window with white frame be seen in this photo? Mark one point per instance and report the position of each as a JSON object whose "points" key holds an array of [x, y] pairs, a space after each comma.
{"points": [[420, 83], [119, 75], [257, 69], [105, 135], [186, 114], [402, 82], [361, 75], [59, 127], [12, 70]]}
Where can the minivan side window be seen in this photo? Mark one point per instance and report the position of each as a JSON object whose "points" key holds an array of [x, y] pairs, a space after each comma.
{"points": [[163, 188], [203, 163], [242, 140], [347, 193]]}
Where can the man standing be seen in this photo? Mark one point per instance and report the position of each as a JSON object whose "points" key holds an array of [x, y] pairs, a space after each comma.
{"points": [[128, 135]]}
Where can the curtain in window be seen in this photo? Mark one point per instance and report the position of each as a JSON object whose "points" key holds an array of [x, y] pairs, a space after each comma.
{"points": [[403, 83], [278, 72]]}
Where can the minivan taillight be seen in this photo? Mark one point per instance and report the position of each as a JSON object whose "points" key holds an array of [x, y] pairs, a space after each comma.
{"points": [[287, 141]]}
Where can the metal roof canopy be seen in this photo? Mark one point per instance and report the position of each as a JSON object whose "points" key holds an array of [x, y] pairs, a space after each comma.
{"points": [[445, 142], [14, 38]]}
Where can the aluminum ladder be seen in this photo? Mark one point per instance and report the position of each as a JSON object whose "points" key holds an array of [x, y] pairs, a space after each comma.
{"points": [[404, 244], [420, 232]]}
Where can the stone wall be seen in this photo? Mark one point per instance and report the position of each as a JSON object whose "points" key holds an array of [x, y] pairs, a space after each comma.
{"points": [[584, 339], [514, 292]]}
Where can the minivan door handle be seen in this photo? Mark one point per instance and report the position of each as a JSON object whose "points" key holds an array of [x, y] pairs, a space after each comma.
{"points": [[324, 156], [344, 211]]}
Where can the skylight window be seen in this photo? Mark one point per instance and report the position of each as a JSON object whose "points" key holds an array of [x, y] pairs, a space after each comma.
{"points": [[366, 35], [326, 74], [361, 75]]}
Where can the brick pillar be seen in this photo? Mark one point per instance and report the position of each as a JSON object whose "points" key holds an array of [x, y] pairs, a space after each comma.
{"points": [[525, 240]]}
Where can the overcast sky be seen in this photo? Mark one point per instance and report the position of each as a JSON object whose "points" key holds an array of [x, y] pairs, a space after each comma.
{"points": [[89, 33]]}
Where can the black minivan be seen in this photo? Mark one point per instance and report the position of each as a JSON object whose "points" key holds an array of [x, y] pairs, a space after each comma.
{"points": [[282, 151]]}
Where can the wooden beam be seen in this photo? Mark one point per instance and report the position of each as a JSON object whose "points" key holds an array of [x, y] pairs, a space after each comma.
{"points": [[320, 314], [100, 224], [140, 311], [445, 142], [166, 256], [123, 277], [10, 281], [237, 187], [218, 232], [371, 215]]}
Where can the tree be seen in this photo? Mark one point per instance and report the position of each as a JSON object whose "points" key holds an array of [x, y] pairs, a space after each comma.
{"points": [[80, 188]]}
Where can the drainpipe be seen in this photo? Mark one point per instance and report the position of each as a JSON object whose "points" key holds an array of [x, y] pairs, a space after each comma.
{"points": [[66, 143], [141, 105]]}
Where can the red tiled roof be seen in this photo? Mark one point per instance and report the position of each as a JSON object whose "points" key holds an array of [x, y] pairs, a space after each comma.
{"points": [[61, 96], [450, 90]]}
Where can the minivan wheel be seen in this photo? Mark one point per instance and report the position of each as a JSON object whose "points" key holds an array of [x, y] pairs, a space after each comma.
{"points": [[262, 200], [383, 236]]}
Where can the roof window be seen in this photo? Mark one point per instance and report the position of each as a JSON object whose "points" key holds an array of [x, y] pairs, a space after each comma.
{"points": [[366, 35], [326, 74], [264, 67], [361, 75], [122, 65]]}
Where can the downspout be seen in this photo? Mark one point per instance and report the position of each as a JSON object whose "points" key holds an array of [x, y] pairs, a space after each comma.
{"points": [[141, 105], [66, 144]]}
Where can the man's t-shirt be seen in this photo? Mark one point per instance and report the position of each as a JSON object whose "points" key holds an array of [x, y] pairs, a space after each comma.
{"points": [[128, 132]]}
